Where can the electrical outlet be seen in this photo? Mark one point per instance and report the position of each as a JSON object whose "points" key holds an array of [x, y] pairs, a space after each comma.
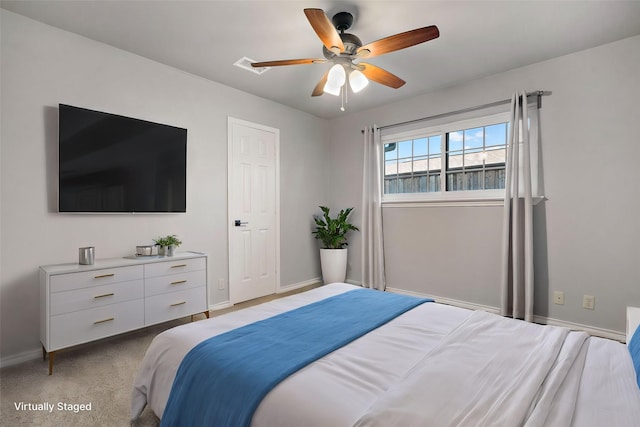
{"points": [[220, 284], [588, 302], [558, 297]]}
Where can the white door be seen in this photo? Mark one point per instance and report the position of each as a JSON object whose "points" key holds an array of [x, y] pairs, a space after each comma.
{"points": [[253, 210]]}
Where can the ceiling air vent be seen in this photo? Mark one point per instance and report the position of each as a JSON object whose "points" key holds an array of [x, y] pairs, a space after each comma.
{"points": [[245, 63]]}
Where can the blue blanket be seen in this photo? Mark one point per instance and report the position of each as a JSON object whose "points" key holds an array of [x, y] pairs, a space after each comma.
{"points": [[634, 349], [222, 380]]}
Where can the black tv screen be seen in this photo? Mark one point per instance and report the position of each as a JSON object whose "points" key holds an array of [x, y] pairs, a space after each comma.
{"points": [[112, 163]]}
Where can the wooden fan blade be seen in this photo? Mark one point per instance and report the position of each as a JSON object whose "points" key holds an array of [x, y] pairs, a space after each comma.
{"points": [[381, 76], [319, 89], [287, 62], [325, 30], [398, 41]]}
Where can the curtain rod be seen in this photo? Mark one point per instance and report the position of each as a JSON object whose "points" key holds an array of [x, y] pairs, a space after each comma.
{"points": [[538, 93]]}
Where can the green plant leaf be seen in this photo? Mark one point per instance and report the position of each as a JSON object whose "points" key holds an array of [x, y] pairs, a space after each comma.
{"points": [[170, 240], [332, 232]]}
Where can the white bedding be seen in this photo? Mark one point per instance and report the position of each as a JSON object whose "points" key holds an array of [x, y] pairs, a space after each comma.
{"points": [[364, 376], [489, 371]]}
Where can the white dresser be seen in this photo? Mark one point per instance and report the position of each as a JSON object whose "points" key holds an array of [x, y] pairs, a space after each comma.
{"points": [[83, 303]]}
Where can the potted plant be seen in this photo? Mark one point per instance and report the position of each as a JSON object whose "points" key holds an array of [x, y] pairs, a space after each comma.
{"points": [[332, 232], [167, 244]]}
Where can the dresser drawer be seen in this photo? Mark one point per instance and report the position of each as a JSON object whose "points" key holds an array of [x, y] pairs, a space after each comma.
{"points": [[95, 296], [174, 282], [100, 322], [69, 281], [174, 266], [172, 305]]}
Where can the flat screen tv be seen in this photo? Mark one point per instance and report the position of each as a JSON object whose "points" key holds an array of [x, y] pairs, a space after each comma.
{"points": [[115, 164]]}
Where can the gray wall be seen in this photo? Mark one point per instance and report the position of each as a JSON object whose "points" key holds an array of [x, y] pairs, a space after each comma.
{"points": [[43, 66], [587, 232]]}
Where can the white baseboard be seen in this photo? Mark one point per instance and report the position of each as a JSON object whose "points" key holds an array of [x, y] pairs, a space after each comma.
{"points": [[20, 358], [220, 305], [591, 330], [447, 301], [294, 286]]}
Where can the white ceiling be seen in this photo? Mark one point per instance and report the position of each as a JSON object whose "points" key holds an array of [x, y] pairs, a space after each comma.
{"points": [[477, 38]]}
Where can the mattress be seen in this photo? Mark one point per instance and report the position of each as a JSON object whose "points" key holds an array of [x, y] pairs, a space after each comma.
{"points": [[355, 381]]}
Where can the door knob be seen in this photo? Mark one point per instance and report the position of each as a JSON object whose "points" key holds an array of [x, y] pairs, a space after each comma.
{"points": [[239, 223]]}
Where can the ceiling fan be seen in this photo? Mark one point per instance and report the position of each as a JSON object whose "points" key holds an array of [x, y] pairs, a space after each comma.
{"points": [[343, 49]]}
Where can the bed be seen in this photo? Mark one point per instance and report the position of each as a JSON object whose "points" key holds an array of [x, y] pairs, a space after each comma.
{"points": [[432, 365]]}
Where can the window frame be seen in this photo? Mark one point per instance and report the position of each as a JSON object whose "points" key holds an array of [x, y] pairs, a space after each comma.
{"points": [[480, 197]]}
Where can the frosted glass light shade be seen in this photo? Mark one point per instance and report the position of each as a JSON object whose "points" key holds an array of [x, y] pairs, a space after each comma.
{"points": [[358, 81], [337, 76], [331, 89]]}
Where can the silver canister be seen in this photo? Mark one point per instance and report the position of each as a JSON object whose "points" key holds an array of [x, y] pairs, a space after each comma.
{"points": [[86, 256], [146, 250]]}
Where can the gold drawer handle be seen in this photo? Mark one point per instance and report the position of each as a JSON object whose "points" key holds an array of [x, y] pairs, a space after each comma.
{"points": [[178, 303], [178, 265], [104, 320], [104, 275], [177, 282], [105, 295]]}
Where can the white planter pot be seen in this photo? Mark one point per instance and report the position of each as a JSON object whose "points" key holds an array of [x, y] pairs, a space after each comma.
{"points": [[334, 265]]}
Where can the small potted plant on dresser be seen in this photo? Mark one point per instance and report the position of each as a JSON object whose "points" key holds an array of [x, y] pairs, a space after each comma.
{"points": [[167, 244], [332, 232]]}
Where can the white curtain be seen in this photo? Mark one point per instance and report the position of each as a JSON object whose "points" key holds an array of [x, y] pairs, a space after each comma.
{"points": [[517, 237], [371, 229]]}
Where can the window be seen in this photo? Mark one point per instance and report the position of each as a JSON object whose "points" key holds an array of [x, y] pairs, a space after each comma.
{"points": [[476, 158], [413, 166], [466, 158]]}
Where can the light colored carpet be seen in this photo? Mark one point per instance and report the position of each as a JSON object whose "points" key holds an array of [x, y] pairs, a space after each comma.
{"points": [[99, 373]]}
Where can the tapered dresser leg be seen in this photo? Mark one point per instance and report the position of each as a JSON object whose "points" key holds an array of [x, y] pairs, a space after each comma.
{"points": [[51, 355], [44, 353]]}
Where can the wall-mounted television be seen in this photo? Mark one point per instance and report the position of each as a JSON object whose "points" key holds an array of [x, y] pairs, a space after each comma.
{"points": [[115, 164]]}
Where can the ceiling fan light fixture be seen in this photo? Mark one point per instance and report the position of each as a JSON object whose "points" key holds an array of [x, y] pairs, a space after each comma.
{"points": [[358, 81], [337, 76]]}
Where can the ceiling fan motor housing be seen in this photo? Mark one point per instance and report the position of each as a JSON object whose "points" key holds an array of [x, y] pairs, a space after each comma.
{"points": [[351, 44]]}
